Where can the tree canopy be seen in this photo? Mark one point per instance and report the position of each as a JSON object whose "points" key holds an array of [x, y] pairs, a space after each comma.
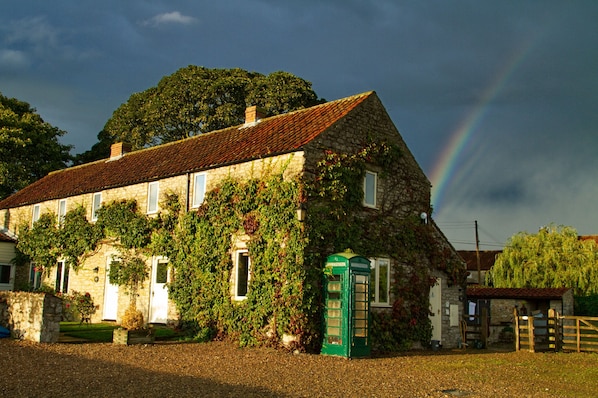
{"points": [[554, 257], [29, 147], [196, 100]]}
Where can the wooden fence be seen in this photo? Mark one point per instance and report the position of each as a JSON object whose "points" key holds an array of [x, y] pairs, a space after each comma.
{"points": [[556, 333]]}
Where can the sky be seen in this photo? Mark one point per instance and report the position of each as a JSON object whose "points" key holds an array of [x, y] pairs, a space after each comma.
{"points": [[497, 100]]}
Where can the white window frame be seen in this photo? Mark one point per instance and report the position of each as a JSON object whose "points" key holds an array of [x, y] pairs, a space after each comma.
{"points": [[152, 197], [238, 254], [62, 279], [96, 203], [35, 277], [36, 213], [199, 181], [375, 264], [61, 211], [367, 201]]}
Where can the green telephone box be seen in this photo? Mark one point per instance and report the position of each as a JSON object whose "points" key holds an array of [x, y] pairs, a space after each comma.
{"points": [[347, 306]]}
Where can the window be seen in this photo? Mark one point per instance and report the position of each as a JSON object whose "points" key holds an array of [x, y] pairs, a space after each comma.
{"points": [[199, 189], [370, 182], [62, 277], [5, 273], [97, 203], [380, 281], [36, 211], [61, 210], [35, 276], [242, 274], [152, 197]]}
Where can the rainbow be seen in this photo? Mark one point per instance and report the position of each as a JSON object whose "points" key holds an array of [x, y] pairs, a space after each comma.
{"points": [[444, 169]]}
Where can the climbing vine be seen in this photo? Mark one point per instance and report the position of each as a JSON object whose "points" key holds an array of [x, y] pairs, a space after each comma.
{"points": [[337, 220], [284, 298]]}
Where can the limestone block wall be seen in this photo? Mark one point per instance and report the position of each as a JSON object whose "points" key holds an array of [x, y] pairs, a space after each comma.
{"points": [[31, 316]]}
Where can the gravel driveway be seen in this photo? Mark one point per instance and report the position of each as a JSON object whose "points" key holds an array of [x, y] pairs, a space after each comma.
{"points": [[220, 369]]}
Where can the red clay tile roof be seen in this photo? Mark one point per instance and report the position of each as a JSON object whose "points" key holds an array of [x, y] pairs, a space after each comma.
{"points": [[271, 136], [487, 258], [516, 293]]}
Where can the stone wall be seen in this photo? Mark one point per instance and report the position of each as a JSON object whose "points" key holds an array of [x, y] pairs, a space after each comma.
{"points": [[31, 316]]}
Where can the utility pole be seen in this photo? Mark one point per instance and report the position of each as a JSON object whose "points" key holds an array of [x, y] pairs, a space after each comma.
{"points": [[477, 253]]}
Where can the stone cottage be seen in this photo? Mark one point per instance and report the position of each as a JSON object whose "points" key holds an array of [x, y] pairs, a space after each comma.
{"points": [[341, 153]]}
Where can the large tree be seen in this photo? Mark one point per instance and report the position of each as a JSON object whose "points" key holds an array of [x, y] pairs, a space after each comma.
{"points": [[196, 100], [29, 147], [553, 257]]}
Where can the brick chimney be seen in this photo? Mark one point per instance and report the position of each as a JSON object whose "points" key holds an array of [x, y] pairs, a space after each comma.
{"points": [[253, 114], [118, 150]]}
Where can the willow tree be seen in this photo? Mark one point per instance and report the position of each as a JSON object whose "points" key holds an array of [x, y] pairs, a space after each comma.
{"points": [[554, 257]]}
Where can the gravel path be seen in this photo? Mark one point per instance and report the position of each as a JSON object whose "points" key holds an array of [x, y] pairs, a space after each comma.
{"points": [[220, 369]]}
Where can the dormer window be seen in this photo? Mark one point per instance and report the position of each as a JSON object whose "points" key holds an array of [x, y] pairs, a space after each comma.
{"points": [[370, 186]]}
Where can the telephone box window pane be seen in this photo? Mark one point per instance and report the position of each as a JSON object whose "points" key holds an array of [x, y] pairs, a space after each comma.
{"points": [[334, 313]]}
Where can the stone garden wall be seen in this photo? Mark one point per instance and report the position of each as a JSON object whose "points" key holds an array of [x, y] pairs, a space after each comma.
{"points": [[31, 316]]}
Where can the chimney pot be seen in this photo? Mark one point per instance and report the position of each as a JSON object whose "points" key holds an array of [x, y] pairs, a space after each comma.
{"points": [[253, 114], [118, 150]]}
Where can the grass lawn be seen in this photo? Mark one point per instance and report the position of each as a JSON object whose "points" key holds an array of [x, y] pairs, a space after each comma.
{"points": [[102, 332]]}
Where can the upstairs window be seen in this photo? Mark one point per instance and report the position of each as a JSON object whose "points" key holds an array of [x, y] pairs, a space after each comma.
{"points": [[96, 204], [370, 185], [152, 197], [242, 274], [36, 214], [61, 210], [199, 189], [380, 281]]}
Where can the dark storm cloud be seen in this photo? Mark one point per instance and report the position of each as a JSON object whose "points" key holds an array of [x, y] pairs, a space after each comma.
{"points": [[523, 72]]}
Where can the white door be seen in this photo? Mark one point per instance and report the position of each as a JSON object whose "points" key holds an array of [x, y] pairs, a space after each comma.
{"points": [[110, 296], [436, 310], [159, 294]]}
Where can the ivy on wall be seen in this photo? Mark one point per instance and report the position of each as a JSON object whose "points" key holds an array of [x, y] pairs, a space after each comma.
{"points": [[287, 255]]}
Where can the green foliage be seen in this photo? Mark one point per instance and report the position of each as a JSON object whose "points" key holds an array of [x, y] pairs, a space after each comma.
{"points": [[554, 257], [78, 237], [80, 303], [586, 305], [196, 100], [277, 300], [337, 220], [41, 242], [29, 147]]}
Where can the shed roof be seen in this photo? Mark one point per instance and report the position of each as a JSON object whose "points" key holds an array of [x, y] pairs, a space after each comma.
{"points": [[271, 136]]}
